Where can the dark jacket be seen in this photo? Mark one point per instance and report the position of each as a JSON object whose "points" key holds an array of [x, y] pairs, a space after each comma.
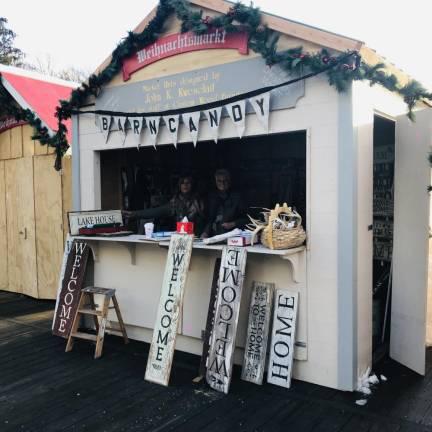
{"points": [[224, 208]]}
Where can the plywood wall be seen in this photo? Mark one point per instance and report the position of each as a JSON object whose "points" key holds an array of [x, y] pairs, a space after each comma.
{"points": [[34, 201], [49, 224]]}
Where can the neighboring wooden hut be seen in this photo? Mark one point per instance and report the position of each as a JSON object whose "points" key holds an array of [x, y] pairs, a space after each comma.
{"points": [[34, 198]]}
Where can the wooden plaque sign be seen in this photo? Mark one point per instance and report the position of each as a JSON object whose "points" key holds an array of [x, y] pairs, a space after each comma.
{"points": [[83, 219], [72, 283], [165, 330], [257, 333], [283, 337], [222, 341], [210, 317]]}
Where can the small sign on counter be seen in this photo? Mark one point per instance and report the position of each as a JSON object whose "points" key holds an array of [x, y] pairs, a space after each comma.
{"points": [[93, 219]]}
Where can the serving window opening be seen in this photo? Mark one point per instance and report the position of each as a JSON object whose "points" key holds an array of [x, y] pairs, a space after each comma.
{"points": [[265, 170]]}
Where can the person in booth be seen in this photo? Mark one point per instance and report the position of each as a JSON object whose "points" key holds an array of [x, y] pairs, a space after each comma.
{"points": [[185, 203], [225, 208]]}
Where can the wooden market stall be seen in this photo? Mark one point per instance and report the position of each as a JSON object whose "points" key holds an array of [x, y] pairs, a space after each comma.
{"points": [[344, 158], [34, 198]]}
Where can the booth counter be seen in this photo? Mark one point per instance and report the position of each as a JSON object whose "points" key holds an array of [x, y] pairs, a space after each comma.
{"points": [[135, 267]]}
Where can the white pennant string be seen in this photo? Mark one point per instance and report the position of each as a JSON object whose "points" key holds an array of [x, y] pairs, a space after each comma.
{"points": [[153, 127], [120, 123], [214, 116], [261, 105], [237, 113], [172, 123], [191, 121], [105, 125], [137, 125]]}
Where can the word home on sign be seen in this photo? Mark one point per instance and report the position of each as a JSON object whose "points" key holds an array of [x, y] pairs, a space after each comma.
{"points": [[283, 338], [257, 333], [222, 340]]}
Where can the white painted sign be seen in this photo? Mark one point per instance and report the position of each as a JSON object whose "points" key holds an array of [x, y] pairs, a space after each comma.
{"points": [[82, 219], [170, 304], [257, 333], [222, 341], [283, 337]]}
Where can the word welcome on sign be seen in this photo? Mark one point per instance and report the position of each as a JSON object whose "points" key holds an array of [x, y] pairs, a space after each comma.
{"points": [[184, 42], [170, 305], [72, 284], [222, 342], [283, 338], [83, 219], [257, 333]]}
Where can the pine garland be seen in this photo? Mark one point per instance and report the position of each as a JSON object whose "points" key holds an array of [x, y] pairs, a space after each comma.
{"points": [[261, 39]]}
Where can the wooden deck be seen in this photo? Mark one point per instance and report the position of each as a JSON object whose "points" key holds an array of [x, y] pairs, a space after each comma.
{"points": [[44, 389]]}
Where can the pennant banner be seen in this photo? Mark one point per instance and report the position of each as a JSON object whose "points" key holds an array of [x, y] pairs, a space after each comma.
{"points": [[172, 123], [261, 105], [153, 127], [120, 123], [105, 125], [191, 121], [137, 125], [237, 113], [214, 116]]}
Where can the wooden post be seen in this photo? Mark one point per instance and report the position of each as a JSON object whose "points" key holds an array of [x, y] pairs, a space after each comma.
{"points": [[283, 337], [171, 300], [257, 334], [222, 341]]}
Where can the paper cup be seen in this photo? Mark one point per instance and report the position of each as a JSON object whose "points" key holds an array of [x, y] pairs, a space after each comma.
{"points": [[148, 228]]}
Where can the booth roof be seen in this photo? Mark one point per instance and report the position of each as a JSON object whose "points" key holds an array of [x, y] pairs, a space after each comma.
{"points": [[293, 28], [39, 93]]}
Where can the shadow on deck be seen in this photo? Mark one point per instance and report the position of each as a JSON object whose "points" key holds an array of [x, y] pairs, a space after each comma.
{"points": [[44, 389]]}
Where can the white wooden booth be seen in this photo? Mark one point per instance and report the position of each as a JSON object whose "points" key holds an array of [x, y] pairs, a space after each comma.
{"points": [[333, 272]]}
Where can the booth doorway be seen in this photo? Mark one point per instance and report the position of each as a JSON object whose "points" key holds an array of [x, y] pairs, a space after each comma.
{"points": [[383, 218]]}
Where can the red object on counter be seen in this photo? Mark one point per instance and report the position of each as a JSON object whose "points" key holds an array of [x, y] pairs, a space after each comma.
{"points": [[185, 227]]}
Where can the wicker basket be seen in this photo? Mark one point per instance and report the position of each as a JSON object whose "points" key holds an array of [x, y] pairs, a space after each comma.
{"points": [[282, 228]]}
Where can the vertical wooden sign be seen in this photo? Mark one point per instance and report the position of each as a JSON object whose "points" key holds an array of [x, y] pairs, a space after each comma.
{"points": [[283, 338], [72, 283], [165, 331], [210, 318], [257, 333], [222, 341]]}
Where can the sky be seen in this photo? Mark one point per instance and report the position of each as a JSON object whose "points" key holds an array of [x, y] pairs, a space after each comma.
{"points": [[83, 33]]}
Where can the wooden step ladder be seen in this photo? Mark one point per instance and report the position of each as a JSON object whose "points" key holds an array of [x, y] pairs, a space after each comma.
{"points": [[99, 317]]}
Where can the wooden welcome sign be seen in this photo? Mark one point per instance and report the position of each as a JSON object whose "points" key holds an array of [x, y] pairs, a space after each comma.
{"points": [[72, 283], [222, 342], [257, 333], [283, 337], [170, 304]]}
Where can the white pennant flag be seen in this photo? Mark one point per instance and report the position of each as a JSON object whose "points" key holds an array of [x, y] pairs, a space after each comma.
{"points": [[137, 125], [237, 113], [214, 117], [153, 127], [120, 123], [261, 105], [172, 123], [191, 121], [105, 125]]}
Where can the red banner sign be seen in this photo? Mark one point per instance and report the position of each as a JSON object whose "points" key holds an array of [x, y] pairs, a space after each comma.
{"points": [[184, 42], [9, 123]]}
